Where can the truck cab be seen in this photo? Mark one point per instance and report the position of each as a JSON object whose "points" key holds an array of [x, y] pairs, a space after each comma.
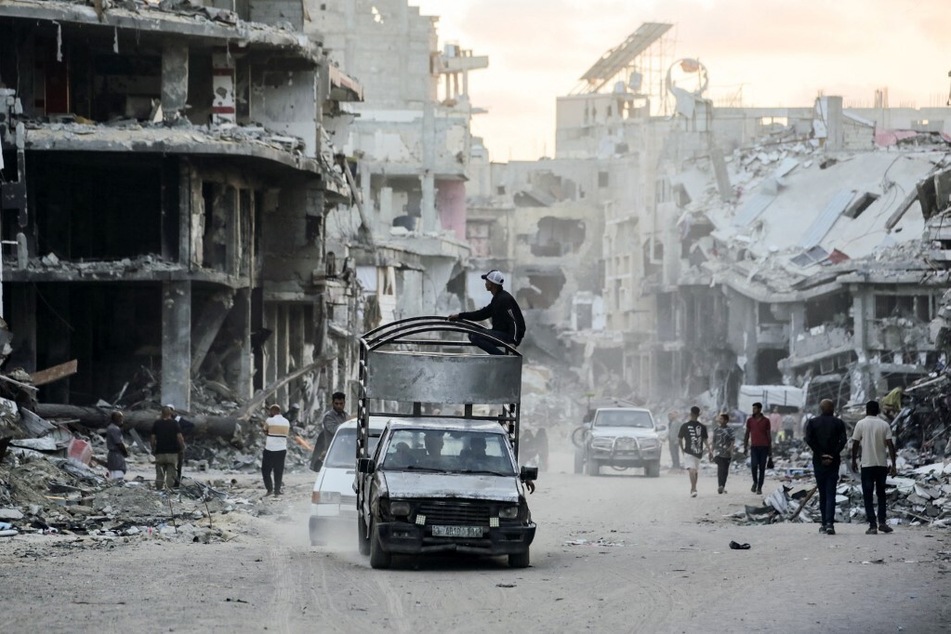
{"points": [[444, 476]]}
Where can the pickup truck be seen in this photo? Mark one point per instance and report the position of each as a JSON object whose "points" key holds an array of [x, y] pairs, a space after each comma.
{"points": [[622, 438], [444, 476], [443, 485]]}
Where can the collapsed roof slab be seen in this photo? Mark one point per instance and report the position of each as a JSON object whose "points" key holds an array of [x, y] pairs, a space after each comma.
{"points": [[163, 140], [145, 21]]}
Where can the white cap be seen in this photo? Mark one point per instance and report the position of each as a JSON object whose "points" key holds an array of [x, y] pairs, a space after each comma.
{"points": [[170, 406], [494, 276]]}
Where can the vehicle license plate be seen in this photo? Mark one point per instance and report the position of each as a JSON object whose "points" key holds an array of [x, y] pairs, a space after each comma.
{"points": [[457, 531]]}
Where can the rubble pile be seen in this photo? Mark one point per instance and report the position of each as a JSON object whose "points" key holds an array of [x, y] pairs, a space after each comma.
{"points": [[53, 477], [918, 495], [44, 495]]}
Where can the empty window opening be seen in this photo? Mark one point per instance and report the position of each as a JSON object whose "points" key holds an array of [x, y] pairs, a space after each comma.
{"points": [[542, 291], [558, 236], [861, 202]]}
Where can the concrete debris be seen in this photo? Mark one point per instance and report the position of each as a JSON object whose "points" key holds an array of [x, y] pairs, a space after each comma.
{"points": [[919, 495]]}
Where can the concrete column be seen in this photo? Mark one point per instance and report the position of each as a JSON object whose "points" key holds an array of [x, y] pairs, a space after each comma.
{"points": [[272, 323], [428, 177], [282, 343], [176, 343], [174, 81], [834, 124], [386, 206], [241, 313], [861, 308]]}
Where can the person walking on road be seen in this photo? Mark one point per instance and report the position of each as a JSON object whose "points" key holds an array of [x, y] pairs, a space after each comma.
{"points": [[115, 445], [826, 436], [775, 424], [693, 436], [721, 450], [872, 436], [673, 438], [508, 325], [758, 444], [275, 450], [167, 442], [329, 422]]}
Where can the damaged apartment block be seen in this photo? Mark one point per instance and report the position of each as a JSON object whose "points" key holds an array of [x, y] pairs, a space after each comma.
{"points": [[165, 179]]}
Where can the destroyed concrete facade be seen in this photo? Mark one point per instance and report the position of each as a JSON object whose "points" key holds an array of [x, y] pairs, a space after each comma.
{"points": [[811, 271], [410, 144], [738, 245], [166, 176]]}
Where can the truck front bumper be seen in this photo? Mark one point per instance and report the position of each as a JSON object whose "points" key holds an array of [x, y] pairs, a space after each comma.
{"points": [[410, 539]]}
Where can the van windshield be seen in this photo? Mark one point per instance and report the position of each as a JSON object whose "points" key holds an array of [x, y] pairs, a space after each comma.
{"points": [[342, 453]]}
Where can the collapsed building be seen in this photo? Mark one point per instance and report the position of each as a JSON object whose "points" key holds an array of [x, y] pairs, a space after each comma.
{"points": [[166, 175], [724, 245], [811, 270], [411, 146]]}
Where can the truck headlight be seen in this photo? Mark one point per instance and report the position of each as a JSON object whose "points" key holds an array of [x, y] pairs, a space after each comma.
{"points": [[508, 512], [400, 508]]}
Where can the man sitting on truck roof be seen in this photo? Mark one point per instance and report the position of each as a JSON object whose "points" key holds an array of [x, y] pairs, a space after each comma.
{"points": [[508, 325]]}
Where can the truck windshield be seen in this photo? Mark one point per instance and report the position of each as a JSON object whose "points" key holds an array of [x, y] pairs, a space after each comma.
{"points": [[449, 452], [342, 453], [623, 418]]}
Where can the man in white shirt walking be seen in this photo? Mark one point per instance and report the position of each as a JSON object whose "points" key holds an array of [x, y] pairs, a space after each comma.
{"points": [[275, 449], [872, 435]]}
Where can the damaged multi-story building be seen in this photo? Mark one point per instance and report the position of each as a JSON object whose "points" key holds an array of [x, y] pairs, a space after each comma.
{"points": [[410, 144], [736, 245], [166, 174], [800, 251]]}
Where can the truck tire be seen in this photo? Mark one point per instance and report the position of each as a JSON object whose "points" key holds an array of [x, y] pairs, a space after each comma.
{"points": [[593, 467], [363, 544], [520, 560], [579, 461], [314, 530], [379, 558], [652, 470]]}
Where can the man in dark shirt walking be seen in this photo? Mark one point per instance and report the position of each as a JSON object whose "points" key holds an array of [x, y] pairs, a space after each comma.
{"points": [[758, 443], [167, 442], [693, 436], [508, 325], [826, 436]]}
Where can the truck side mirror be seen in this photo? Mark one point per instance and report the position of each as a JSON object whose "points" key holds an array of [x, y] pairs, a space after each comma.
{"points": [[662, 429], [366, 465], [528, 473]]}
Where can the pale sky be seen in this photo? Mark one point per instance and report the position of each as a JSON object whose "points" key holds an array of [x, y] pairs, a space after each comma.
{"points": [[776, 52]]}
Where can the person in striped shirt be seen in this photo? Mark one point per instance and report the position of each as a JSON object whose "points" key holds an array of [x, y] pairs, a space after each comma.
{"points": [[275, 450]]}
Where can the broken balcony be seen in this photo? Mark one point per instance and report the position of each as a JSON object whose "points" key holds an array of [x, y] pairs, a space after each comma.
{"points": [[824, 340]]}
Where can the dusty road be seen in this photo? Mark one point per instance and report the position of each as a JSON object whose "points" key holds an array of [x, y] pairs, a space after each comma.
{"points": [[652, 560]]}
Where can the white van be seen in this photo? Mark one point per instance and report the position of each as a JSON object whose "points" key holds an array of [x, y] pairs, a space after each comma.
{"points": [[333, 501]]}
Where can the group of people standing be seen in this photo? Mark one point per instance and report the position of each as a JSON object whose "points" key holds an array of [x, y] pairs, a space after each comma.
{"points": [[826, 435]]}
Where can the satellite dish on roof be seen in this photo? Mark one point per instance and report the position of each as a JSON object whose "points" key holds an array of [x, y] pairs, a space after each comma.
{"points": [[688, 75]]}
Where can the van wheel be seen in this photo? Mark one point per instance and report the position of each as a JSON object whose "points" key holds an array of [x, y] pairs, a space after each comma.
{"points": [[314, 529], [519, 560], [379, 559], [363, 544]]}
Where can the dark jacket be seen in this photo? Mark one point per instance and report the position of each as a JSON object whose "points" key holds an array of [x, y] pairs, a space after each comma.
{"points": [[826, 435], [505, 314]]}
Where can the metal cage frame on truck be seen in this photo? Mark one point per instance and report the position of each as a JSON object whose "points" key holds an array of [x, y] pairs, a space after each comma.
{"points": [[429, 360]]}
